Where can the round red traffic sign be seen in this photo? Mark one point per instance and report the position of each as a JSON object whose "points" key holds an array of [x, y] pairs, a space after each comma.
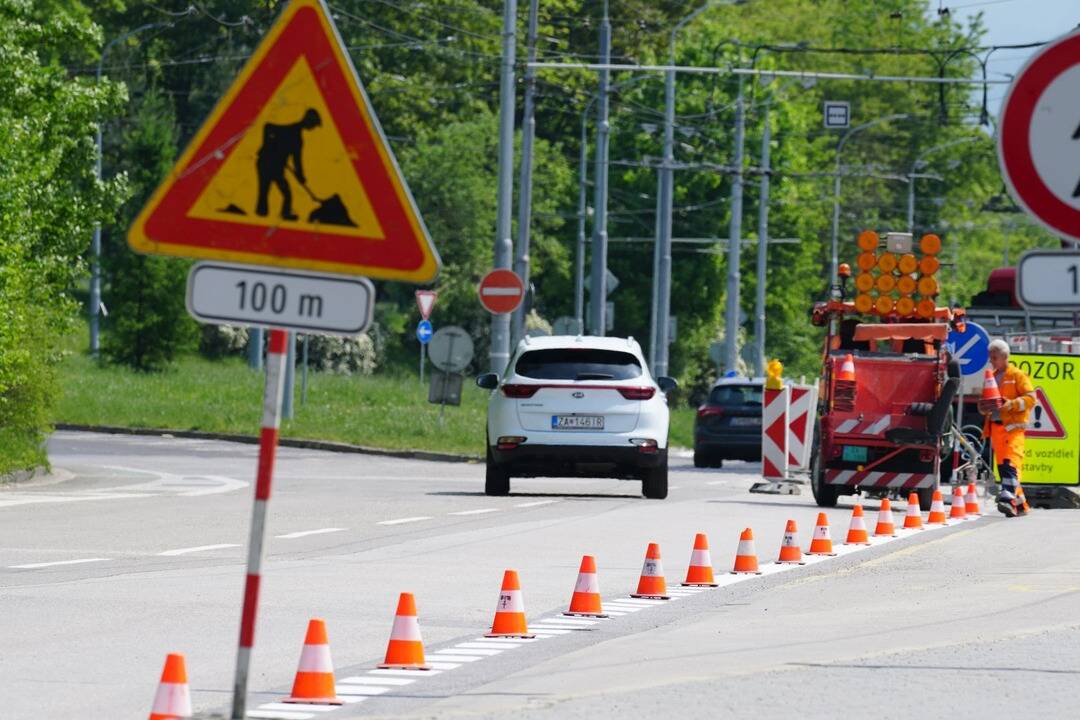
{"points": [[1039, 136], [501, 291]]}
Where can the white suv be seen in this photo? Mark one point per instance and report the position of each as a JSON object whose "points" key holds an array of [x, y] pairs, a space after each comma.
{"points": [[577, 406]]}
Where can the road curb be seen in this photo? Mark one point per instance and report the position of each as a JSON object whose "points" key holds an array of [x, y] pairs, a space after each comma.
{"points": [[326, 445]]}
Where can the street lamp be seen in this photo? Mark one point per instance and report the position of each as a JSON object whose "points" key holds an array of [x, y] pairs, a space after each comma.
{"points": [[836, 187], [95, 245], [665, 200], [913, 175]]}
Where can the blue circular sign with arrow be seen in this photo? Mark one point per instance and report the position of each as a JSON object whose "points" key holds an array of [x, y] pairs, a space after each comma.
{"points": [[424, 331], [971, 348]]}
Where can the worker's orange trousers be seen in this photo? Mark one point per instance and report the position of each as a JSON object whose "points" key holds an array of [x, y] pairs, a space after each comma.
{"points": [[1008, 445]]}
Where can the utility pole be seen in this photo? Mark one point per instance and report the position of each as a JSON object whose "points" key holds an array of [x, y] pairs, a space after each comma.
{"points": [[499, 354], [528, 134], [731, 321], [579, 256], [598, 286], [763, 243]]}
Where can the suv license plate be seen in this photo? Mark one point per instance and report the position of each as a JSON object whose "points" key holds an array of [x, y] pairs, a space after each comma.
{"points": [[577, 422]]}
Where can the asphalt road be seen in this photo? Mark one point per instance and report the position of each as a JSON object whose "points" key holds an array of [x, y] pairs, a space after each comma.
{"points": [[136, 549]]}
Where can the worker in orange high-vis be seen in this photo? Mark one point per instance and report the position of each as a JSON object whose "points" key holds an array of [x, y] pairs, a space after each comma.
{"points": [[1005, 425]]}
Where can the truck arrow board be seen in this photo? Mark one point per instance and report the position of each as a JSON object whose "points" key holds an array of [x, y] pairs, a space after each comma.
{"points": [[309, 302]]}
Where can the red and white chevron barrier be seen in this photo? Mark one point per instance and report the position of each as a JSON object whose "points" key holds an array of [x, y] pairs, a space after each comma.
{"points": [[802, 414], [774, 433]]}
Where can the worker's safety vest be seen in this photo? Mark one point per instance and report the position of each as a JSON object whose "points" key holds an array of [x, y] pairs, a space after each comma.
{"points": [[1015, 384]]}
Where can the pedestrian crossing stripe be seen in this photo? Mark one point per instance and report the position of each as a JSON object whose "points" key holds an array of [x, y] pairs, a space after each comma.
{"points": [[292, 169]]}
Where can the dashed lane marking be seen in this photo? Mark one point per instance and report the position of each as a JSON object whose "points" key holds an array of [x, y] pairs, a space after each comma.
{"points": [[362, 689], [294, 707], [485, 651], [402, 521], [441, 655], [479, 511], [536, 503], [367, 680], [197, 548], [305, 533], [279, 714], [35, 566]]}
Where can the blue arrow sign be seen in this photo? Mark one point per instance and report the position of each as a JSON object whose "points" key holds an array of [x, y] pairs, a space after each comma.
{"points": [[424, 331], [971, 348]]}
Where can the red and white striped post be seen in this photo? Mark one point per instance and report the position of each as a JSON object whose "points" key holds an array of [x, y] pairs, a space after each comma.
{"points": [[268, 440], [774, 433]]}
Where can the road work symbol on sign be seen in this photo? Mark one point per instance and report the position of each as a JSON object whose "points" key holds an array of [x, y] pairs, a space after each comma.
{"points": [[1043, 422], [292, 169]]}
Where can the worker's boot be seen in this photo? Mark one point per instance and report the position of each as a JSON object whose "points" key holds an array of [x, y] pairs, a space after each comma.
{"points": [[1007, 503]]}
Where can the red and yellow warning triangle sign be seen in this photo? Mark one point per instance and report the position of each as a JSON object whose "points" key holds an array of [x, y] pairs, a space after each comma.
{"points": [[292, 169]]}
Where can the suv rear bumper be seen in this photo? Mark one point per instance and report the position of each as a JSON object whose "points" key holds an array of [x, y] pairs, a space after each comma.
{"points": [[577, 460]]}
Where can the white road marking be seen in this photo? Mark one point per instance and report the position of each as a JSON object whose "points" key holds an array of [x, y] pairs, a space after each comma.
{"points": [[199, 548], [442, 665], [536, 503], [469, 652], [361, 690], [401, 521], [368, 680], [305, 533], [481, 511], [33, 566], [456, 658], [483, 648], [414, 674], [279, 715], [504, 640], [294, 707], [548, 630]]}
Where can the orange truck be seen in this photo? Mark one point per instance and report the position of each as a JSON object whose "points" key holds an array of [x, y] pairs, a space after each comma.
{"points": [[887, 384]]}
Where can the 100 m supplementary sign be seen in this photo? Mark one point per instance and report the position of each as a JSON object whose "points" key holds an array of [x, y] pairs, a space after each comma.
{"points": [[314, 302]]}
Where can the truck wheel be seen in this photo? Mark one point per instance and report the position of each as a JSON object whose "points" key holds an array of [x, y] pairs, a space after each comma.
{"points": [[825, 495], [926, 497], [496, 478], [701, 460], [654, 481]]}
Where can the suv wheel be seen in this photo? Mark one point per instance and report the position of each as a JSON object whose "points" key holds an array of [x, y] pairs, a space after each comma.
{"points": [[496, 478], [700, 459], [654, 480]]}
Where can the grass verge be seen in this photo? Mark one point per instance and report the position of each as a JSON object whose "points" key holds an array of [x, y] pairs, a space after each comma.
{"points": [[382, 411]]}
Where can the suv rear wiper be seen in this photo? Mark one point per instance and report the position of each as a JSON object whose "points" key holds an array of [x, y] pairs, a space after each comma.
{"points": [[594, 376]]}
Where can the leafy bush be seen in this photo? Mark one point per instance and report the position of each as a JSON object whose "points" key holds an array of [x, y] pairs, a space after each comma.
{"points": [[218, 341], [342, 355]]}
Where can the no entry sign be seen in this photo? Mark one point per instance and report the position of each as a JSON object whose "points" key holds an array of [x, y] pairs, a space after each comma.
{"points": [[501, 291], [1039, 136]]}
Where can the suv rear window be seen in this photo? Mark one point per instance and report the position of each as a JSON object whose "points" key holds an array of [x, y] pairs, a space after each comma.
{"points": [[736, 395], [574, 364]]}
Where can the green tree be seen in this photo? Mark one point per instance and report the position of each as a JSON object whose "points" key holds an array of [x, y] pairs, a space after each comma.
{"points": [[49, 202]]}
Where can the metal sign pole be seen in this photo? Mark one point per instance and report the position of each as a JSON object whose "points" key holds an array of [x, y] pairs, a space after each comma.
{"points": [[422, 346], [268, 440]]}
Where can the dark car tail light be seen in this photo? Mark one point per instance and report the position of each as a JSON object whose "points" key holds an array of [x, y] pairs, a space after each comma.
{"points": [[637, 393], [709, 411], [519, 391]]}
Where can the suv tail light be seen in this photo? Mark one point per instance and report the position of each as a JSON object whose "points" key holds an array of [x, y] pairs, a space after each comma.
{"points": [[637, 393], [709, 411], [519, 391]]}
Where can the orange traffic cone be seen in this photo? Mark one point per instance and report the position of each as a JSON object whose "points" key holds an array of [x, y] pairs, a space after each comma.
{"points": [[847, 369], [510, 611], [746, 555], [700, 573], [913, 518], [173, 699], [971, 500], [652, 584], [957, 512], [856, 534], [586, 598], [1023, 498], [405, 651], [314, 683], [885, 524], [790, 552], [821, 543], [937, 510], [990, 391]]}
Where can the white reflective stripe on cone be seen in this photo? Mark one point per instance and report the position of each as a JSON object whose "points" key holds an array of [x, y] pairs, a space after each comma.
{"points": [[652, 568], [172, 699], [316, 658], [510, 601], [746, 547], [587, 583], [857, 522], [821, 532], [405, 628], [789, 540], [700, 558]]}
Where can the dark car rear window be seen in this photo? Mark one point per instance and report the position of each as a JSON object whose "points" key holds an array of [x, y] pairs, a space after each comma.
{"points": [[734, 395], [573, 364]]}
